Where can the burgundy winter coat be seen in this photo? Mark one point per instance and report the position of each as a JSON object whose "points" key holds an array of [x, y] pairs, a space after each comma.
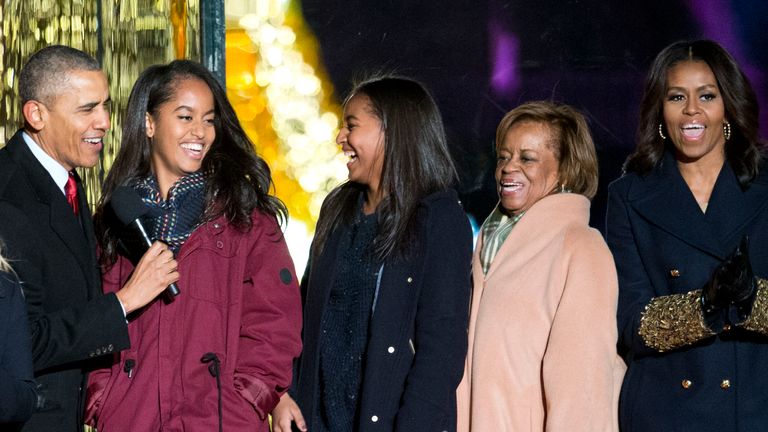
{"points": [[239, 300]]}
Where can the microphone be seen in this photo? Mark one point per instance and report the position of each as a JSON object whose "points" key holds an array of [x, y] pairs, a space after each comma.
{"points": [[129, 208]]}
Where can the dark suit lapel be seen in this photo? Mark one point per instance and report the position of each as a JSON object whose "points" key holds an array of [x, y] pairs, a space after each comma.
{"points": [[731, 209], [61, 218], [86, 222], [664, 199]]}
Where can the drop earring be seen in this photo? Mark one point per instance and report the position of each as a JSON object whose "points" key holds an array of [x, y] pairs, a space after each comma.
{"points": [[661, 132]]}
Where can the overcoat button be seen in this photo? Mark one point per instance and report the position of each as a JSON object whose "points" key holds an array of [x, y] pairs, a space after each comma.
{"points": [[725, 384], [726, 327], [220, 244], [686, 384], [674, 273], [391, 350], [410, 279], [375, 419]]}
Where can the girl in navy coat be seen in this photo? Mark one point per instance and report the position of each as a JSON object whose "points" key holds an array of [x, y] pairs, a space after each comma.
{"points": [[386, 294], [688, 228]]}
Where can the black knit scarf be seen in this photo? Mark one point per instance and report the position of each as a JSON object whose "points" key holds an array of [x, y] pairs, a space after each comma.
{"points": [[172, 221]]}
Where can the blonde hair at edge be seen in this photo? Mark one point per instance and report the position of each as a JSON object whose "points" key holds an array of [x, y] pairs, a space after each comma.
{"points": [[4, 265]]}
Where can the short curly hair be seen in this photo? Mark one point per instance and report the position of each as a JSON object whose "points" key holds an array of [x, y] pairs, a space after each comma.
{"points": [[571, 142]]}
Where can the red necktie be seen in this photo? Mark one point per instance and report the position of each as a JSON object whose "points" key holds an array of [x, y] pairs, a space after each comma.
{"points": [[70, 190]]}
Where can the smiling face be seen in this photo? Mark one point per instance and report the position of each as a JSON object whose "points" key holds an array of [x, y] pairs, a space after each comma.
{"points": [[694, 112], [361, 138], [72, 124], [526, 169], [182, 131]]}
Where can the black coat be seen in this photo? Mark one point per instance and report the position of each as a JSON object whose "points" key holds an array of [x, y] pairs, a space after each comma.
{"points": [[663, 244], [17, 387], [418, 332], [54, 254]]}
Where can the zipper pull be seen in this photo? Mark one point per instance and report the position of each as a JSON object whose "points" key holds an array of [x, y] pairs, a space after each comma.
{"points": [[128, 367]]}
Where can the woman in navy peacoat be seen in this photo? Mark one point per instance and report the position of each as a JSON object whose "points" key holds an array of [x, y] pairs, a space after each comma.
{"points": [[692, 311]]}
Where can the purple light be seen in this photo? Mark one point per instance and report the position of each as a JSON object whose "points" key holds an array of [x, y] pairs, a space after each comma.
{"points": [[718, 23], [505, 46]]}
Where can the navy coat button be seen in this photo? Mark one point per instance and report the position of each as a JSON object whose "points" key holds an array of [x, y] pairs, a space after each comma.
{"points": [[375, 419], [410, 279], [674, 273], [391, 350], [725, 384], [686, 384]]}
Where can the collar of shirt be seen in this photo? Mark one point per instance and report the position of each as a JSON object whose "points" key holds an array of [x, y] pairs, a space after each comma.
{"points": [[58, 173]]}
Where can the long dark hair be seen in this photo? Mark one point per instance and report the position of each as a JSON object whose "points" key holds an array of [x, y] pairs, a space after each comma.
{"points": [[237, 179], [416, 164], [742, 150]]}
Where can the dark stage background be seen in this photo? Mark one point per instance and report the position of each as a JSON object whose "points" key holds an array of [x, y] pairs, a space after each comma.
{"points": [[481, 58]]}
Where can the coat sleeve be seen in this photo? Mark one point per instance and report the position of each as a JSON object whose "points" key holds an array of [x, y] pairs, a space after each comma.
{"points": [[17, 386], [270, 337], [98, 379], [581, 369], [440, 343], [648, 323], [73, 331]]}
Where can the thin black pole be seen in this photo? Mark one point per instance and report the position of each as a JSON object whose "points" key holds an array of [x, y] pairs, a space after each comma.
{"points": [[212, 37]]}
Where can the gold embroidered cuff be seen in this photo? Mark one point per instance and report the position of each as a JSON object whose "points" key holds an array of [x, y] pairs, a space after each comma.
{"points": [[758, 318], [672, 321]]}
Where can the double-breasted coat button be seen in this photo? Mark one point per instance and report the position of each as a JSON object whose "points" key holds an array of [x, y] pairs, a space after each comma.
{"points": [[391, 350], [725, 384], [410, 279], [686, 384], [375, 419], [674, 273]]}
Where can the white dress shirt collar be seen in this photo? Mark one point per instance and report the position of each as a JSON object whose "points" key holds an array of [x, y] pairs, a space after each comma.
{"points": [[58, 173]]}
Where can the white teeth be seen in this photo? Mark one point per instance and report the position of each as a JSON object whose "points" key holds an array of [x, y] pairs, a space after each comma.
{"points": [[511, 186], [693, 130], [193, 147], [350, 154], [92, 140]]}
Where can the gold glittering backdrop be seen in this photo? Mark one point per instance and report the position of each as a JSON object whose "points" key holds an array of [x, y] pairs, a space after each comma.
{"points": [[125, 35], [276, 82]]}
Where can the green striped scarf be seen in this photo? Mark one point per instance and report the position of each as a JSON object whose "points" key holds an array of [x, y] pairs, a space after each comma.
{"points": [[495, 229]]}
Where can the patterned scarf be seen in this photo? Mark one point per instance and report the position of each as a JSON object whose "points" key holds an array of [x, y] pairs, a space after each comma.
{"points": [[495, 229], [173, 220]]}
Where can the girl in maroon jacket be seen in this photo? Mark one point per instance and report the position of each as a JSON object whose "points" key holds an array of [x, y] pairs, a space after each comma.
{"points": [[219, 355]]}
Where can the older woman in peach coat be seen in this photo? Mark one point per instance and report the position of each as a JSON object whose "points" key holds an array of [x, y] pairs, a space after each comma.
{"points": [[542, 336]]}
